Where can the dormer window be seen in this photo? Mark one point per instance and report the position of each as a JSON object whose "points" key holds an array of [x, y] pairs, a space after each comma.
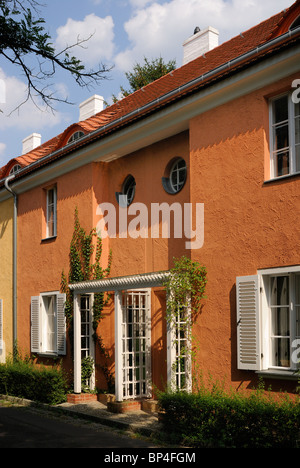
{"points": [[16, 168], [75, 136]]}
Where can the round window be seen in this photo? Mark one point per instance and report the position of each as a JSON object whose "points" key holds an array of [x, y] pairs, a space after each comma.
{"points": [[126, 196], [176, 176]]}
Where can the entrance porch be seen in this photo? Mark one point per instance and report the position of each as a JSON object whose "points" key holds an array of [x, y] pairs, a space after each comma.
{"points": [[132, 314]]}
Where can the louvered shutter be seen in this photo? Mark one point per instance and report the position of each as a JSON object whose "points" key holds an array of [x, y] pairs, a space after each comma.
{"points": [[61, 324], [1, 324], [248, 332], [35, 324]]}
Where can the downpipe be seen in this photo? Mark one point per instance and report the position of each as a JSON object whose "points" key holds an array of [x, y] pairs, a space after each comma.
{"points": [[15, 214]]}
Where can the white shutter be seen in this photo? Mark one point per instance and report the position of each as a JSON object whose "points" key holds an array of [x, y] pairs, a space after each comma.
{"points": [[248, 332], [35, 324], [61, 324], [1, 324]]}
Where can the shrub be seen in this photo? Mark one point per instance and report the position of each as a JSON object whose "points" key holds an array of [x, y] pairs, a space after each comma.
{"points": [[214, 419], [25, 380]]}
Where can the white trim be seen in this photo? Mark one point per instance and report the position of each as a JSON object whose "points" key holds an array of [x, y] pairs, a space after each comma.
{"points": [[279, 270], [291, 148], [77, 344], [146, 280], [248, 322], [118, 346], [38, 322]]}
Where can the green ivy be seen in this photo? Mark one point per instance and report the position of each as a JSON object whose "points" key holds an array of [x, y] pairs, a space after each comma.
{"points": [[82, 268], [185, 288]]}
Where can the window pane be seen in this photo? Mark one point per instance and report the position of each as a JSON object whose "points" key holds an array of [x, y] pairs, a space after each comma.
{"points": [[280, 109], [297, 158], [281, 139], [280, 290], [49, 302], [282, 163], [297, 306], [281, 352], [297, 321], [297, 130], [280, 321], [51, 213], [297, 289]]}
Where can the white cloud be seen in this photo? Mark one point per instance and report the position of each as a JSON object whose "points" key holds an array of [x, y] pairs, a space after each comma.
{"points": [[28, 115], [2, 148], [160, 29], [140, 3], [98, 31]]}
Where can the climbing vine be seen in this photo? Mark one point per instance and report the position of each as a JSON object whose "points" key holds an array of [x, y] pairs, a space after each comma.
{"points": [[82, 268], [185, 288]]}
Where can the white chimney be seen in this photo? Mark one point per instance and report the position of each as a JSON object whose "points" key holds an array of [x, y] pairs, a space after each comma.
{"points": [[90, 107], [200, 43], [31, 142]]}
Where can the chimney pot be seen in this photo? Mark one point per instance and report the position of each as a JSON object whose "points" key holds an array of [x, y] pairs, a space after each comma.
{"points": [[90, 107], [200, 43], [31, 142]]}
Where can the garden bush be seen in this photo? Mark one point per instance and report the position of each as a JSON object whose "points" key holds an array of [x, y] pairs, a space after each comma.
{"points": [[21, 378], [215, 419]]}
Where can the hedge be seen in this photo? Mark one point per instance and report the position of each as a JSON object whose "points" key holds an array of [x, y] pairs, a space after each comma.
{"points": [[25, 380], [230, 421]]}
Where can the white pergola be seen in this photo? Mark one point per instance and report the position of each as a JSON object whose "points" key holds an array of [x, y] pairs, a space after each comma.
{"points": [[117, 285]]}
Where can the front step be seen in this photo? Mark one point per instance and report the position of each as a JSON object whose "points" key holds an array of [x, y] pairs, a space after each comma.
{"points": [[79, 398], [149, 406]]}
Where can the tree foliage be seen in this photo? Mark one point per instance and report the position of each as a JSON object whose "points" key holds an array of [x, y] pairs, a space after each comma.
{"points": [[145, 73], [26, 44]]}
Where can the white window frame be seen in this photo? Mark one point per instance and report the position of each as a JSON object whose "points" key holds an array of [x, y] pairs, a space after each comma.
{"points": [[179, 345], [87, 334], [136, 373], [254, 322], [176, 170], [51, 209], [39, 327], [291, 148]]}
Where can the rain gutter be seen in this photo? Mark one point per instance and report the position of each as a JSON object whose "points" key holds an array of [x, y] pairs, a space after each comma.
{"points": [[178, 92]]}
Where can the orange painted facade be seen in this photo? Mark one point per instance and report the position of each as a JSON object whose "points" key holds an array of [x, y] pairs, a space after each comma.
{"points": [[250, 222], [222, 131]]}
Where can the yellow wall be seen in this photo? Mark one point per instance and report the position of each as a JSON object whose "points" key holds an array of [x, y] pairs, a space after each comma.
{"points": [[6, 274]]}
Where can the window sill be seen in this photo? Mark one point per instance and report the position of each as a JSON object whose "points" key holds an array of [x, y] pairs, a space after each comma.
{"points": [[48, 354], [48, 239], [279, 374], [282, 178]]}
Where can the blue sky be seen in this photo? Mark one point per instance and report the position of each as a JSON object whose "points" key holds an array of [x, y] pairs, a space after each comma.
{"points": [[123, 33]]}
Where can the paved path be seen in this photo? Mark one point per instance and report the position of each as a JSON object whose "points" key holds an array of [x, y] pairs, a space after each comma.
{"points": [[30, 427]]}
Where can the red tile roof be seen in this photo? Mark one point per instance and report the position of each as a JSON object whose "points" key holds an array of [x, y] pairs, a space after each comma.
{"points": [[150, 94]]}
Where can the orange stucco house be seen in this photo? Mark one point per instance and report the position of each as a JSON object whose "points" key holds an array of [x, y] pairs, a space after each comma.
{"points": [[216, 142]]}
